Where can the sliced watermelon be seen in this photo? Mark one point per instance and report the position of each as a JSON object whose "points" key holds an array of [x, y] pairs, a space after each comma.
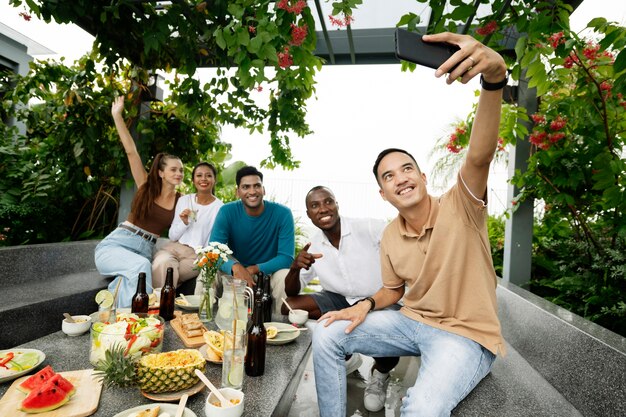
{"points": [[45, 398], [60, 382], [36, 380]]}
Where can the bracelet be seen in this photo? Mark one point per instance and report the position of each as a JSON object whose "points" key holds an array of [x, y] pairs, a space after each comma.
{"points": [[493, 86], [371, 300]]}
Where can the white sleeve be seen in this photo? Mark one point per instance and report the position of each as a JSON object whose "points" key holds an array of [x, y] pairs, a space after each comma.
{"points": [[178, 227]]}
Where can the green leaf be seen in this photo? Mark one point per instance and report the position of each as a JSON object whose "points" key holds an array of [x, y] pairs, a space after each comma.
{"points": [[219, 38], [620, 62], [243, 36]]}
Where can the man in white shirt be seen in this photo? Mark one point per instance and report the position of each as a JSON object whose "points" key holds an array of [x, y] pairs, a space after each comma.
{"points": [[344, 256]]}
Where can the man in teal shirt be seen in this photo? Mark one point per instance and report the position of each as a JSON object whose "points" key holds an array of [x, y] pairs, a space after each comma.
{"points": [[259, 232]]}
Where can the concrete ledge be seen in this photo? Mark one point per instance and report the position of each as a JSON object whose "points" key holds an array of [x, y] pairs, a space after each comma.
{"points": [[584, 362], [41, 282]]}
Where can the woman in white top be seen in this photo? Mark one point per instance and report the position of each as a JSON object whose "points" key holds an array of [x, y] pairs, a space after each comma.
{"points": [[193, 221]]}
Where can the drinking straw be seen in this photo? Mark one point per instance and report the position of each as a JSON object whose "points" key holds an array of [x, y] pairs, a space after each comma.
{"points": [[235, 315]]}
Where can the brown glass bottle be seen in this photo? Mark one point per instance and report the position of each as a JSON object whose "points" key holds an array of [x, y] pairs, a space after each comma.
{"points": [[257, 338], [140, 300], [168, 295], [266, 300]]}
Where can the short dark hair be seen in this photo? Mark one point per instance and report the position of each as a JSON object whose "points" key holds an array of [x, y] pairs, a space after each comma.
{"points": [[245, 171], [387, 152], [316, 188]]}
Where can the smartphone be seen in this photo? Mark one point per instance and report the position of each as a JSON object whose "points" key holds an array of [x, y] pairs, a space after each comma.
{"points": [[410, 47]]}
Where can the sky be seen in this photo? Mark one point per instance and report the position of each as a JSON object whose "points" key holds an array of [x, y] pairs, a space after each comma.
{"points": [[357, 111]]}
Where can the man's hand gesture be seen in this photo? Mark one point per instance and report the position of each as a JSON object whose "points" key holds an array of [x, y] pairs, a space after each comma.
{"points": [[305, 259]]}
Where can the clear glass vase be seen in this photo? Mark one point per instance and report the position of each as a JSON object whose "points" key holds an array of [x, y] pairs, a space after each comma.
{"points": [[205, 310]]}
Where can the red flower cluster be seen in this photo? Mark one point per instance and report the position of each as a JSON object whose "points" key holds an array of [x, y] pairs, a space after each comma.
{"points": [[606, 87], [591, 51], [570, 61], [285, 59], [340, 22], [537, 138], [25, 16], [259, 88], [251, 29], [488, 28], [296, 8], [298, 34], [621, 102], [453, 144], [556, 39], [544, 140], [501, 145], [539, 119], [558, 124]]}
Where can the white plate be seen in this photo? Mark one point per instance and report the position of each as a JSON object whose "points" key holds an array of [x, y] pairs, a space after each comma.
{"points": [[165, 408], [203, 352], [194, 302], [282, 338], [14, 375]]}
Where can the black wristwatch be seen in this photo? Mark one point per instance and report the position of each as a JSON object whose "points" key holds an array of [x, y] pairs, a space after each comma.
{"points": [[493, 86], [371, 300]]}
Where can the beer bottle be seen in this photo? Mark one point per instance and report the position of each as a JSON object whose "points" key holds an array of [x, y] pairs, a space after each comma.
{"points": [[257, 338], [267, 299], [258, 289], [168, 295], [140, 299]]}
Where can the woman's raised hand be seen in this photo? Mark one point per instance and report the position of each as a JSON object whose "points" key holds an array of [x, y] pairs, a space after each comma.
{"points": [[117, 107]]}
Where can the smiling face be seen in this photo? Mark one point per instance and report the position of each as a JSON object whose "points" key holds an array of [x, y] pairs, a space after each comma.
{"points": [[251, 192], [203, 179], [172, 172], [322, 208], [401, 182]]}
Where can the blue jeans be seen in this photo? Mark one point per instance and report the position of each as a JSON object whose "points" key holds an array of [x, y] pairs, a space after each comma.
{"points": [[124, 255], [451, 365]]}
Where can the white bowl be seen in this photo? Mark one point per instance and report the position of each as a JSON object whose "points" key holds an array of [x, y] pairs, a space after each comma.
{"points": [[298, 316], [76, 329], [194, 302], [230, 394]]}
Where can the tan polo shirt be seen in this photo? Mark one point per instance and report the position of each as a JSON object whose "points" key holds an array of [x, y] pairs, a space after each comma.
{"points": [[447, 268]]}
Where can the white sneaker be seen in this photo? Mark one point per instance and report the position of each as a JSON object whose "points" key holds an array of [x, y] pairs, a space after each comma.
{"points": [[375, 391], [353, 363]]}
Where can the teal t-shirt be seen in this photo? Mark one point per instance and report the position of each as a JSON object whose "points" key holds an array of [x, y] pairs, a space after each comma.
{"points": [[267, 240]]}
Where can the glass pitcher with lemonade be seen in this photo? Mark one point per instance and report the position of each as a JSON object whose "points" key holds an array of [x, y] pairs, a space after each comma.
{"points": [[235, 303]]}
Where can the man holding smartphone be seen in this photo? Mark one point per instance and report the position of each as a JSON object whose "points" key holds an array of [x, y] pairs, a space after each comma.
{"points": [[435, 257]]}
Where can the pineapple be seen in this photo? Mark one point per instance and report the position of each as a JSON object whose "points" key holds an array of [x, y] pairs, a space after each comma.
{"points": [[116, 368], [155, 373], [169, 371]]}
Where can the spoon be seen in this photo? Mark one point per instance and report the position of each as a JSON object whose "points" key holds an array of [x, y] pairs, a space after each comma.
{"points": [[213, 389], [288, 306], [181, 406], [69, 318], [284, 330], [185, 300]]}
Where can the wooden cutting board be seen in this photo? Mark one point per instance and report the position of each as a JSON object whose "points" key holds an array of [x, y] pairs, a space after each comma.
{"points": [[192, 342], [83, 403]]}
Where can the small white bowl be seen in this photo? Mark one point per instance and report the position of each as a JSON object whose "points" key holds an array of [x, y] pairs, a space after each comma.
{"points": [[230, 394], [298, 316], [76, 329]]}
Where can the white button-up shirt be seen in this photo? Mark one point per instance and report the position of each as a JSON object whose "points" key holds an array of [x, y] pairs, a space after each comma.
{"points": [[353, 270]]}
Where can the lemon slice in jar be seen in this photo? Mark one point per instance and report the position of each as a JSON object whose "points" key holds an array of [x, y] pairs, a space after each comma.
{"points": [[104, 298], [271, 332]]}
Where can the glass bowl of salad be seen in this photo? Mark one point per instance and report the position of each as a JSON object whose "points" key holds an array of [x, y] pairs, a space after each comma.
{"points": [[138, 333]]}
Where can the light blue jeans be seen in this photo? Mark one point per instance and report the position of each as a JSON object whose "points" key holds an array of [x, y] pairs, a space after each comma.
{"points": [[451, 365], [124, 255]]}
